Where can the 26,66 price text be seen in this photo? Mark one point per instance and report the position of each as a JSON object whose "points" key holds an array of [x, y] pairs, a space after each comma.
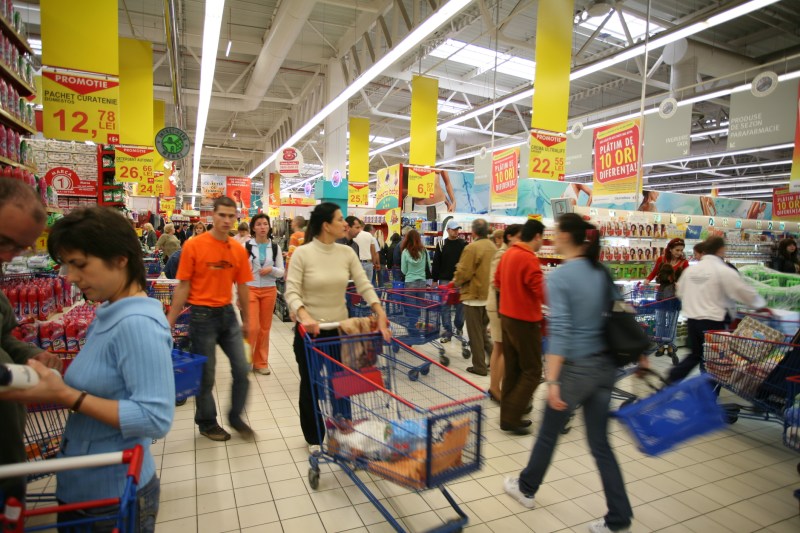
{"points": [[132, 173]]}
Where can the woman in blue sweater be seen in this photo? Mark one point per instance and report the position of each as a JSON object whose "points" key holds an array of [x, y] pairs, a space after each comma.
{"points": [[579, 371], [121, 387], [414, 261]]}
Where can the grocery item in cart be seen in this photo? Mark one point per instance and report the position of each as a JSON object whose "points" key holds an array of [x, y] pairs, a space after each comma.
{"points": [[750, 328]]}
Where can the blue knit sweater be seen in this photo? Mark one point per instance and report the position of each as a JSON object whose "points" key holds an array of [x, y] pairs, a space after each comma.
{"points": [[126, 358]]}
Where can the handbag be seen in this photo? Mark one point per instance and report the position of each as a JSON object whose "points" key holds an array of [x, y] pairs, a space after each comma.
{"points": [[625, 337]]}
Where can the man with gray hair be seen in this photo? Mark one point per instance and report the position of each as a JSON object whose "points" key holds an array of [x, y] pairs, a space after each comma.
{"points": [[23, 218], [472, 276]]}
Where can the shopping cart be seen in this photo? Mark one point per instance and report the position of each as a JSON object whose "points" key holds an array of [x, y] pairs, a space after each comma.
{"points": [[419, 432], [163, 290], [37, 516], [659, 319], [281, 307], [791, 416], [153, 267], [753, 369]]}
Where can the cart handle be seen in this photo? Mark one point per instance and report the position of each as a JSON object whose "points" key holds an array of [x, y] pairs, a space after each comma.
{"points": [[132, 457]]}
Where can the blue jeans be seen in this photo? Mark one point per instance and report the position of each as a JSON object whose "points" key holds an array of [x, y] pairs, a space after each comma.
{"points": [[208, 327], [584, 382], [369, 268], [447, 315], [147, 498]]}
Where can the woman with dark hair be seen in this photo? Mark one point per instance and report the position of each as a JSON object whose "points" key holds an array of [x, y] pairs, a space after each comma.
{"points": [[315, 292], [394, 243], [578, 369], [266, 261], [120, 388], [786, 260], [414, 262], [673, 256]]}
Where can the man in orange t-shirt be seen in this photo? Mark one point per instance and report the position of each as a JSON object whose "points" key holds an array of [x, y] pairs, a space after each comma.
{"points": [[210, 264]]}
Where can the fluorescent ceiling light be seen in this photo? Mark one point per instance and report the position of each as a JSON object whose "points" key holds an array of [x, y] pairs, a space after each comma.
{"points": [[613, 27], [228, 49], [723, 179], [745, 192], [711, 186], [451, 108], [709, 133], [431, 24], [485, 59], [211, 31], [719, 169]]}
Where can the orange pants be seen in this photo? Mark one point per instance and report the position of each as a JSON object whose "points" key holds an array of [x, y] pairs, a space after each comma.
{"points": [[262, 305]]}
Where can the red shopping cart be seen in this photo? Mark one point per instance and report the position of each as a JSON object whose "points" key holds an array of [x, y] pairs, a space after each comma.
{"points": [[38, 514], [417, 429]]}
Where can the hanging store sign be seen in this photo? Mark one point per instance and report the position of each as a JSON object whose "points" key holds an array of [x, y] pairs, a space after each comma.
{"points": [[785, 204], [421, 182], [79, 106], [274, 189], [392, 217], [290, 162], [505, 179], [794, 179], [172, 143], [67, 182], [167, 205], [763, 121], [579, 153], [211, 188], [357, 194], [616, 162], [134, 164], [548, 152], [238, 189], [667, 138], [387, 189]]}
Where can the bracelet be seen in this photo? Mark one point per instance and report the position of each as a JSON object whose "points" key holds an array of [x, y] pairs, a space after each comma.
{"points": [[552, 383], [78, 402]]}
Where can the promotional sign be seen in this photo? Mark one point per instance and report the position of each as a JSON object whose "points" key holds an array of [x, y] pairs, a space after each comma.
{"points": [[156, 186], [786, 204], [167, 205], [392, 218], [667, 138], [424, 116], [357, 194], [134, 163], [238, 189], [421, 182], [66, 182], [172, 143], [763, 121], [616, 161], [579, 153], [290, 162], [211, 188], [554, 20], [296, 201], [274, 189], [794, 179], [505, 179], [387, 189], [257, 196], [79, 106], [548, 155]]}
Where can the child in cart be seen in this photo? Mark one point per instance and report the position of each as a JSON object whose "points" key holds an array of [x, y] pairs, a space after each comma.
{"points": [[120, 388], [666, 282]]}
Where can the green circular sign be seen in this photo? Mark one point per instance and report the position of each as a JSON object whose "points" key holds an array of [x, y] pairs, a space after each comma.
{"points": [[172, 143]]}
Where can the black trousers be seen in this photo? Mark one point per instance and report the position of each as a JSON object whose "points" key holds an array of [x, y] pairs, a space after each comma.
{"points": [[696, 334]]}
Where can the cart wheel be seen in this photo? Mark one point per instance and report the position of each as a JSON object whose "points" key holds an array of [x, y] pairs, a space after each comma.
{"points": [[313, 478], [441, 352], [731, 419], [413, 374], [444, 360], [466, 353], [798, 468], [426, 369]]}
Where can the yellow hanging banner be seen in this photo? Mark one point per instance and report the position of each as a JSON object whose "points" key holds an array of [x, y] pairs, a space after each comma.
{"points": [[392, 218], [424, 109], [548, 155], [136, 92], [554, 20], [167, 206], [421, 182], [158, 125], [80, 106], [81, 35], [359, 150], [357, 194], [134, 164]]}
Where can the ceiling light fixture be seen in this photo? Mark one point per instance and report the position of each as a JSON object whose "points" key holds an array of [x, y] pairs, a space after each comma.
{"points": [[228, 49], [710, 182], [211, 30], [431, 24]]}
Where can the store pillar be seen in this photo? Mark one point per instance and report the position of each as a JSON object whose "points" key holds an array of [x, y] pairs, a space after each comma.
{"points": [[334, 186]]}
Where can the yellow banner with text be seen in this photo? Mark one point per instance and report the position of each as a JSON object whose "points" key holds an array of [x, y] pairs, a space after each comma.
{"points": [[421, 182], [134, 164], [548, 155], [424, 110]]}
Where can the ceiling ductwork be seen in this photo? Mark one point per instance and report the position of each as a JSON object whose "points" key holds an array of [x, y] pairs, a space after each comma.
{"points": [[689, 59]]}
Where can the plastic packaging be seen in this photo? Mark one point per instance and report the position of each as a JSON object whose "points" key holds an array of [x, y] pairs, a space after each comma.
{"points": [[19, 377]]}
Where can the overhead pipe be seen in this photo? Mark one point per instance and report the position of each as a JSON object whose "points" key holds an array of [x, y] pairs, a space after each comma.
{"points": [[687, 59], [173, 54]]}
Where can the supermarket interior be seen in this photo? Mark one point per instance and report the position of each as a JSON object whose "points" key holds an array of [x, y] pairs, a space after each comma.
{"points": [[657, 138]]}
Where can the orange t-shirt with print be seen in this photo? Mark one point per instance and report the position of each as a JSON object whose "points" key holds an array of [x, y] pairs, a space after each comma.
{"points": [[213, 266], [297, 239]]}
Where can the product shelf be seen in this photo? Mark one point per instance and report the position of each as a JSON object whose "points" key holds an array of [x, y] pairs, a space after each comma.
{"points": [[7, 28], [12, 77], [13, 122], [10, 163]]}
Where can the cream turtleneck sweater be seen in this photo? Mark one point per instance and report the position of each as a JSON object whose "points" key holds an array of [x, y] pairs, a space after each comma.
{"points": [[318, 278]]}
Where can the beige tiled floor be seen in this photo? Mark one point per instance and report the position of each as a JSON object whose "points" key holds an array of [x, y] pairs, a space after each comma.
{"points": [[739, 479]]}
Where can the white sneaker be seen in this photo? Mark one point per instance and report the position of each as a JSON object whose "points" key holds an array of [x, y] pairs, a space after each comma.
{"points": [[601, 527], [314, 449], [511, 485]]}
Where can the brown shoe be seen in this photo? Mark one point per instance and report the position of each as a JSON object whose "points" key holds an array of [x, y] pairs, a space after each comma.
{"points": [[472, 370], [216, 433]]}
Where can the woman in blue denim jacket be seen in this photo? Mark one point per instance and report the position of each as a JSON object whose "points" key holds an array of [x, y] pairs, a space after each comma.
{"points": [[120, 387]]}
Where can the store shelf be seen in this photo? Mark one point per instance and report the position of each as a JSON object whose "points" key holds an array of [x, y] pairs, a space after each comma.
{"points": [[110, 169], [14, 123], [58, 210], [8, 29], [112, 187], [10, 163], [12, 77], [112, 204]]}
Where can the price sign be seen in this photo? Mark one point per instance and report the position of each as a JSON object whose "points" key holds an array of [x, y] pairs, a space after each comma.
{"points": [[548, 155], [657, 218], [134, 164], [782, 226], [79, 106], [421, 182], [505, 179], [41, 242], [67, 182], [738, 224], [688, 220], [167, 205], [357, 194]]}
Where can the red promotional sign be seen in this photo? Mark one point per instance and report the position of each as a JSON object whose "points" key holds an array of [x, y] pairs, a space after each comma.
{"points": [[505, 179], [785, 204], [66, 182], [80, 84], [616, 160], [290, 162], [238, 189]]}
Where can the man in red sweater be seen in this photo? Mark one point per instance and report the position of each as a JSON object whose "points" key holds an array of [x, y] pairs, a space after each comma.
{"points": [[520, 291]]}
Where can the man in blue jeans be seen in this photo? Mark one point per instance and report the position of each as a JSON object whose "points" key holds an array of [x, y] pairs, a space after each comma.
{"points": [[445, 259], [210, 264]]}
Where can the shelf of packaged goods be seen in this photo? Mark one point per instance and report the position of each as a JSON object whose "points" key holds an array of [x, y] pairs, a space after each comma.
{"points": [[15, 123], [637, 238], [14, 36], [109, 169], [112, 187], [112, 204], [58, 210], [9, 75], [10, 163]]}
